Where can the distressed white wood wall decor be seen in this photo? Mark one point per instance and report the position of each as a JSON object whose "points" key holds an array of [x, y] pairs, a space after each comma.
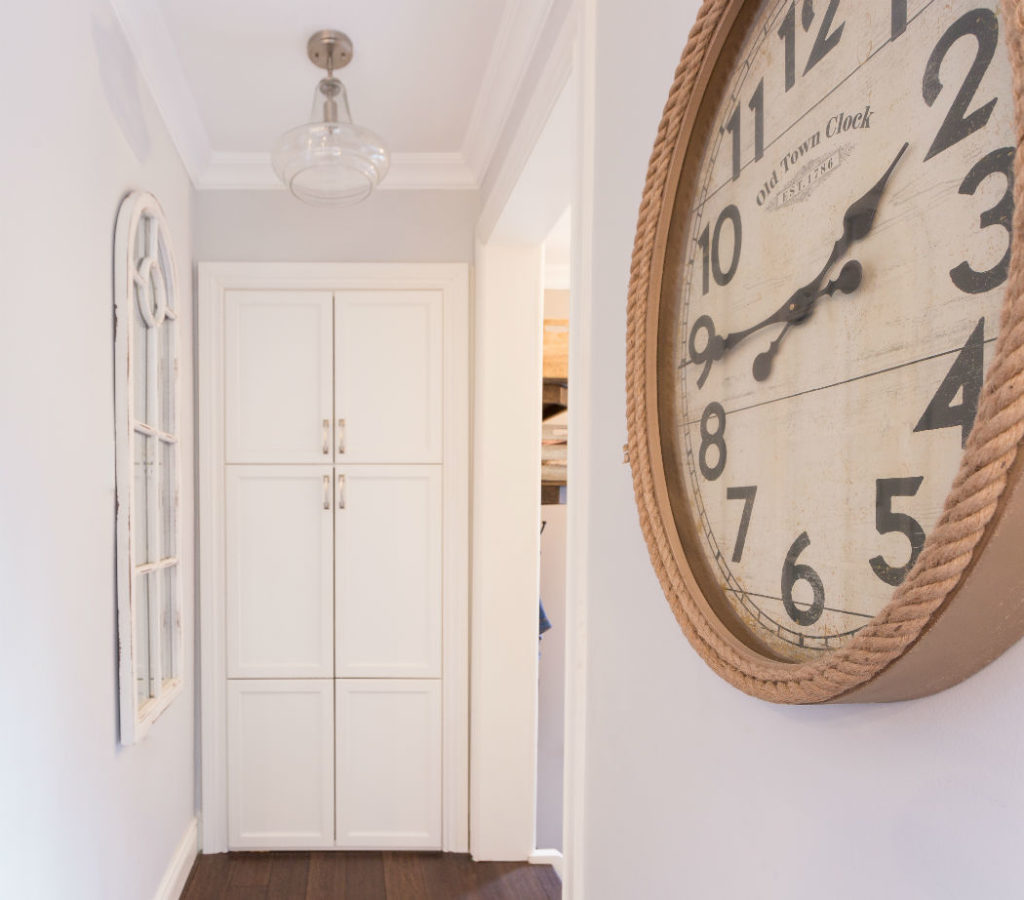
{"points": [[147, 466]]}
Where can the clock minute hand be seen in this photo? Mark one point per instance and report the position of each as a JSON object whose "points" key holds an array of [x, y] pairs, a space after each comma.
{"points": [[795, 309], [782, 314], [857, 223]]}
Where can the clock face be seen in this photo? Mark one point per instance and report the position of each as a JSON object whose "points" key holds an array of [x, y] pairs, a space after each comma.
{"points": [[842, 231]]}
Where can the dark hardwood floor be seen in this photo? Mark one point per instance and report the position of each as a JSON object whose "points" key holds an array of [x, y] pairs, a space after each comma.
{"points": [[334, 875]]}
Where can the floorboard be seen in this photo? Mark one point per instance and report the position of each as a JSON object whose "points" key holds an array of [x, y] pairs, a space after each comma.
{"points": [[337, 875], [210, 879], [289, 875]]}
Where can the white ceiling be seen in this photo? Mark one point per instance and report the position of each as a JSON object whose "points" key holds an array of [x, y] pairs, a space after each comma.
{"points": [[436, 78]]}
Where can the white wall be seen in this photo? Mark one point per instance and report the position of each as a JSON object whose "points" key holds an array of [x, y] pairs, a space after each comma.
{"points": [[505, 551], [391, 226], [81, 817], [694, 790]]}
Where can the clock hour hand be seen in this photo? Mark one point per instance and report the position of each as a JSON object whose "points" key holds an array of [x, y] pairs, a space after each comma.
{"points": [[846, 283]]}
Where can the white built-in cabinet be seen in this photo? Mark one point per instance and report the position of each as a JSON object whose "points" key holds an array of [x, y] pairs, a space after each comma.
{"points": [[332, 562]]}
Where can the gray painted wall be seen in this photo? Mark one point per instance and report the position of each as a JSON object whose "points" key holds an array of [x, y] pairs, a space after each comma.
{"points": [[81, 816], [391, 226]]}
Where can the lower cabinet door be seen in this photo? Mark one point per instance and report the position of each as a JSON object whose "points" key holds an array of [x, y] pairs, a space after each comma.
{"points": [[389, 763], [280, 763]]}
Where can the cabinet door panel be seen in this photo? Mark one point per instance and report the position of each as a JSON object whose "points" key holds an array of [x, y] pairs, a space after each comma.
{"points": [[388, 376], [280, 764], [389, 764], [278, 376], [279, 577], [388, 575]]}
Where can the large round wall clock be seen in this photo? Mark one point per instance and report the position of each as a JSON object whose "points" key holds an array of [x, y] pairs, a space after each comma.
{"points": [[826, 344]]}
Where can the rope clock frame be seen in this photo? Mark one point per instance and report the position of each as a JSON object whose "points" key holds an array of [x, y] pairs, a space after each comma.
{"points": [[923, 640]]}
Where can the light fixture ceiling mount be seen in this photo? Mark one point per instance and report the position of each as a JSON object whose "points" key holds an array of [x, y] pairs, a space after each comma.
{"points": [[330, 160], [329, 49]]}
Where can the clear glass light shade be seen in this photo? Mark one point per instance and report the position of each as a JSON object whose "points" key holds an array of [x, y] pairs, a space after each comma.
{"points": [[330, 160]]}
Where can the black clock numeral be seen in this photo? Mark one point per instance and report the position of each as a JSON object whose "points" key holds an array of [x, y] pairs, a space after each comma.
{"points": [[887, 522], [792, 572], [982, 23], [825, 41], [711, 249], [807, 14], [964, 379], [709, 438], [756, 106], [787, 31], [733, 127], [706, 355], [747, 495], [998, 162], [899, 17]]}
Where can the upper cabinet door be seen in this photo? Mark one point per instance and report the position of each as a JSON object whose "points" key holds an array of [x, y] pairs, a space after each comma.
{"points": [[387, 366], [277, 378]]}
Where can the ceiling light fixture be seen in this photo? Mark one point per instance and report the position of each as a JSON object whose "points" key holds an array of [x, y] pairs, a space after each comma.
{"points": [[330, 160]]}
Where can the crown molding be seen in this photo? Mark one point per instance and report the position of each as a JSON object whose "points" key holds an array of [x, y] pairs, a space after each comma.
{"points": [[519, 32], [409, 171]]}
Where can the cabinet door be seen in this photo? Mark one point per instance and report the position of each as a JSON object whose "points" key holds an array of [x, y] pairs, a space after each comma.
{"points": [[278, 377], [388, 347], [280, 764], [389, 764], [279, 575], [388, 571]]}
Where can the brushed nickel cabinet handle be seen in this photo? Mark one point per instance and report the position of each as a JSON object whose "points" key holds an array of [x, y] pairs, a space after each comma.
{"points": [[327, 491], [341, 435], [327, 436], [341, 491]]}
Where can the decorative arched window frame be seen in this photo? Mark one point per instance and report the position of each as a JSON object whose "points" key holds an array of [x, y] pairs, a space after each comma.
{"points": [[148, 466]]}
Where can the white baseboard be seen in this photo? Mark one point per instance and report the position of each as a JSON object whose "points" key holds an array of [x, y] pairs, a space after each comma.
{"points": [[553, 858], [173, 882]]}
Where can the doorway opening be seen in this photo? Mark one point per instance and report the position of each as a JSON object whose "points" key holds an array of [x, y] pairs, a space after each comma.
{"points": [[554, 500]]}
